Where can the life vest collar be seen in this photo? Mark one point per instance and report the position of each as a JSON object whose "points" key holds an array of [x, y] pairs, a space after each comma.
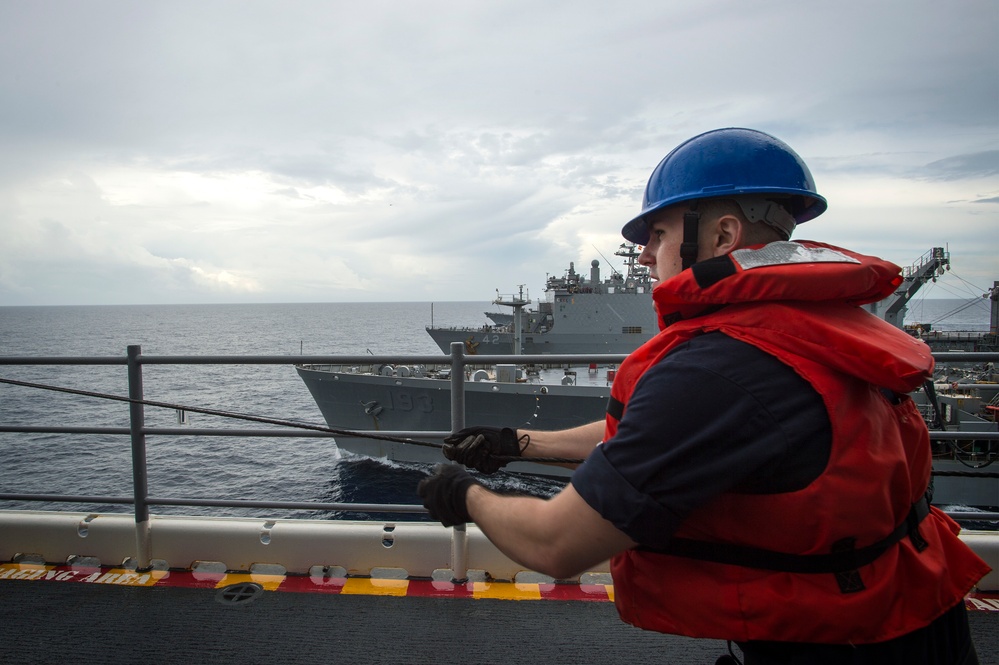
{"points": [[779, 271]]}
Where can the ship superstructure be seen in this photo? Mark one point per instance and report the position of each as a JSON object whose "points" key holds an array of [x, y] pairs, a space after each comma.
{"points": [[579, 314]]}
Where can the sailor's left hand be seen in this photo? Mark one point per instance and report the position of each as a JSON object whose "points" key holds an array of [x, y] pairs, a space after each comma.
{"points": [[480, 447], [444, 494]]}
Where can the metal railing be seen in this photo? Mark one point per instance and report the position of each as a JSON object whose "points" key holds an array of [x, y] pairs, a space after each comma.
{"points": [[138, 431], [133, 361]]}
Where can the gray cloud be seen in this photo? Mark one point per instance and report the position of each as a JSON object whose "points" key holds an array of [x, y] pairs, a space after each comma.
{"points": [[974, 165], [204, 152]]}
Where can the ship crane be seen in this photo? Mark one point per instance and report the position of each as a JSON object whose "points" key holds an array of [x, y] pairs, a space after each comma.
{"points": [[931, 265], [993, 295]]}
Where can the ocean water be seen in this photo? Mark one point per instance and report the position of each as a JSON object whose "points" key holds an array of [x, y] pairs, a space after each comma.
{"points": [[272, 469], [279, 469], [970, 315]]}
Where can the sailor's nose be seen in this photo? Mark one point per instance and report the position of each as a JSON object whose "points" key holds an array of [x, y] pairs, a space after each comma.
{"points": [[647, 257]]}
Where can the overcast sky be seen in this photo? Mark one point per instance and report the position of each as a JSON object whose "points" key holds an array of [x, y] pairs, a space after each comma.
{"points": [[203, 152]]}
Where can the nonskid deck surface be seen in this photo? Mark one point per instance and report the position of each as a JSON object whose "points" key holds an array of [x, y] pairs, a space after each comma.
{"points": [[94, 623], [113, 616]]}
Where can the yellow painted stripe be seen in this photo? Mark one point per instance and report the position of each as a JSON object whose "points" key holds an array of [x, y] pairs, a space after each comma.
{"points": [[610, 592], [375, 587], [506, 591], [269, 582]]}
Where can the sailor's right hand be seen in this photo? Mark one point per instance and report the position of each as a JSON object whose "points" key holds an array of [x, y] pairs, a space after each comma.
{"points": [[479, 447], [444, 494]]}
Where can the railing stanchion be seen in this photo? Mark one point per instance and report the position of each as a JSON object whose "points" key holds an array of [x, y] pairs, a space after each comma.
{"points": [[140, 484], [457, 386], [459, 536]]}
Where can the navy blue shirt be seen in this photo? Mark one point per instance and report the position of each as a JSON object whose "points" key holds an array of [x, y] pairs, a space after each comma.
{"points": [[715, 415]]}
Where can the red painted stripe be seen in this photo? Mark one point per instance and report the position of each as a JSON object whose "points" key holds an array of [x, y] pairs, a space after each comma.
{"points": [[307, 584], [439, 589], [979, 602]]}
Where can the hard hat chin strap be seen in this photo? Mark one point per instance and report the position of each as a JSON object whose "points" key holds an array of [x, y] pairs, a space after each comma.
{"points": [[688, 248]]}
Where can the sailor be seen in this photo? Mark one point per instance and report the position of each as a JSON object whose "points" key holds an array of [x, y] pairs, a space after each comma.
{"points": [[761, 473]]}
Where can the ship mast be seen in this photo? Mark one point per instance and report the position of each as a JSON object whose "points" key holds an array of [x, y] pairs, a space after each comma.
{"points": [[630, 253], [637, 275], [517, 302]]}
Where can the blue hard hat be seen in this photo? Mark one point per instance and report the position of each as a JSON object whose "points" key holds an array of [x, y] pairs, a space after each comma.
{"points": [[729, 162]]}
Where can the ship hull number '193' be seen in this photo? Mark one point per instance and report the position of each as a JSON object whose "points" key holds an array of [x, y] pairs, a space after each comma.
{"points": [[402, 401]]}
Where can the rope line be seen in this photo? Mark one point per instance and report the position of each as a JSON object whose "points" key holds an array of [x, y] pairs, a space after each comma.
{"points": [[267, 421], [215, 412]]}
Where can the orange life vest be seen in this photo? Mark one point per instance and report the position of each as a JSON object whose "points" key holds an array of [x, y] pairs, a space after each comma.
{"points": [[766, 567]]}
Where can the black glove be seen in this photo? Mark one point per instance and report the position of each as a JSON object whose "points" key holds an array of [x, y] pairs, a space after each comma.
{"points": [[444, 493], [475, 447]]}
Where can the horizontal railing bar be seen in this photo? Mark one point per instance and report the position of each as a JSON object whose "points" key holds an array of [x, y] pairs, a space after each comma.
{"points": [[296, 505], [935, 435], [971, 515], [63, 360], [66, 498], [289, 360], [969, 356], [308, 505], [172, 431], [42, 429], [205, 431], [221, 360], [218, 431], [536, 358], [539, 359], [293, 433], [221, 503]]}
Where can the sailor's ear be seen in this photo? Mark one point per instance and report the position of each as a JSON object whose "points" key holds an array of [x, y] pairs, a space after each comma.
{"points": [[725, 235]]}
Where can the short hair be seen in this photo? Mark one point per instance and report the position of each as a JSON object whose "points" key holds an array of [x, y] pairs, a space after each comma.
{"points": [[754, 232]]}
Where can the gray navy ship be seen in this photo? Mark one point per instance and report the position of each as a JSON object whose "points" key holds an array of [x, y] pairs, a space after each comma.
{"points": [[610, 316], [579, 314]]}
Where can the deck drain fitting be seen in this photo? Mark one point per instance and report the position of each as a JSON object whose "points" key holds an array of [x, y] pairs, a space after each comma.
{"points": [[239, 594]]}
